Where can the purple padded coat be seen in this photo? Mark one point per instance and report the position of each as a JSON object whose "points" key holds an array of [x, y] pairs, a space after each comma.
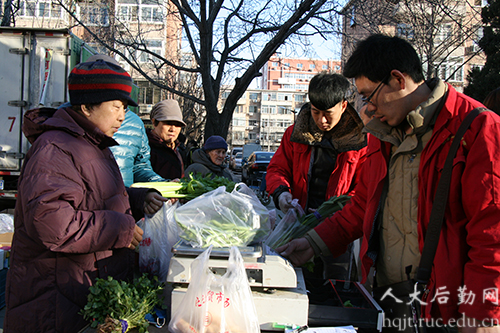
{"points": [[73, 223]]}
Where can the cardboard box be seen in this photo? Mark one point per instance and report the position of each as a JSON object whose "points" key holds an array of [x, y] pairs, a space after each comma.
{"points": [[6, 239]]}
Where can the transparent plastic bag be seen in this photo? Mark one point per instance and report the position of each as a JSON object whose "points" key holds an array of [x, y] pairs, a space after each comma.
{"points": [[160, 234], [213, 303], [285, 228], [223, 219], [6, 223]]}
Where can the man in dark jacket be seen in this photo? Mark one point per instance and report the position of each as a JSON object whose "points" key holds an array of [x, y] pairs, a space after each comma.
{"points": [[166, 158]]}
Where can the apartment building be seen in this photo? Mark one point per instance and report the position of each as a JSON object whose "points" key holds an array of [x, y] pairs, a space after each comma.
{"points": [[262, 116], [294, 74], [444, 36]]}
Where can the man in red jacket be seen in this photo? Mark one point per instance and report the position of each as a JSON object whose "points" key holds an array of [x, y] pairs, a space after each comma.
{"points": [[412, 129], [321, 154]]}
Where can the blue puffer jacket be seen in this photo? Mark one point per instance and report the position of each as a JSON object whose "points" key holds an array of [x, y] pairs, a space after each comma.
{"points": [[133, 152]]}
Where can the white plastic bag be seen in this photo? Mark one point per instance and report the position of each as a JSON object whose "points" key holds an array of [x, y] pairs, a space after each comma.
{"points": [[214, 304], [160, 234], [223, 219], [286, 227], [6, 223]]}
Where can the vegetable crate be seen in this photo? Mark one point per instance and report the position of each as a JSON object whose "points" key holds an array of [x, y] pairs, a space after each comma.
{"points": [[340, 303]]}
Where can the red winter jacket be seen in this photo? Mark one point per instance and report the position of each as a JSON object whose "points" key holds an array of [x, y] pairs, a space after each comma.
{"points": [[468, 253], [73, 223], [291, 164]]}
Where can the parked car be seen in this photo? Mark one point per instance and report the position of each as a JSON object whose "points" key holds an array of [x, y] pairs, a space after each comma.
{"points": [[235, 161], [255, 166]]}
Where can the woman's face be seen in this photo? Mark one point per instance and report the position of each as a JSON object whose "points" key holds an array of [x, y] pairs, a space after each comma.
{"points": [[168, 131], [107, 116], [217, 156]]}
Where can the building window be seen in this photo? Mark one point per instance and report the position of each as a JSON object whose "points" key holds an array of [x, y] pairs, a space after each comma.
{"points": [[150, 10], [299, 66], [275, 64], [312, 66], [254, 97], [148, 93], [239, 122], [450, 71], [151, 14], [300, 98], [237, 135], [324, 67], [269, 96], [155, 46], [445, 32], [253, 122], [127, 12], [40, 9], [284, 97], [252, 109], [268, 109], [97, 16]]}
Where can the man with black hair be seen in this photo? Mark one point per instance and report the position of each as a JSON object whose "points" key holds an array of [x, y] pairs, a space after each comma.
{"points": [[321, 154], [413, 124]]}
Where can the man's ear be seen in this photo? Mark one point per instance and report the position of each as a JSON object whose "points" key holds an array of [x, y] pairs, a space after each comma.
{"points": [[344, 105], [400, 78]]}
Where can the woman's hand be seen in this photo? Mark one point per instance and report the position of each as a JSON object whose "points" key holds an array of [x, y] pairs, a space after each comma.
{"points": [[137, 238], [153, 203]]}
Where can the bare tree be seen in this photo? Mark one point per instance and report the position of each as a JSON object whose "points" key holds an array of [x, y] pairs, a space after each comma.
{"points": [[442, 31], [228, 39]]}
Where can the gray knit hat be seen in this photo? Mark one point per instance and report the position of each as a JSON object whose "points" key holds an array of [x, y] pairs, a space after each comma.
{"points": [[167, 110]]}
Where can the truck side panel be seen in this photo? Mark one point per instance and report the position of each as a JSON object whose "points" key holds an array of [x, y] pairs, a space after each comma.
{"points": [[12, 89], [36, 75]]}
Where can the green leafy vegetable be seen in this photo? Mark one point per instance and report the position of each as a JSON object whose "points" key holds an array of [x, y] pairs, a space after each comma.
{"points": [[116, 304], [195, 185]]}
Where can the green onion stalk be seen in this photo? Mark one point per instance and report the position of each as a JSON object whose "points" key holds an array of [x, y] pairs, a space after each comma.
{"points": [[189, 187]]}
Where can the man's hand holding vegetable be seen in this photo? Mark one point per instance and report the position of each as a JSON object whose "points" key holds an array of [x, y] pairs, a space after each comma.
{"points": [[298, 251]]}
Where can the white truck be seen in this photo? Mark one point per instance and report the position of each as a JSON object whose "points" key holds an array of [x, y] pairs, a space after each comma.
{"points": [[35, 67]]}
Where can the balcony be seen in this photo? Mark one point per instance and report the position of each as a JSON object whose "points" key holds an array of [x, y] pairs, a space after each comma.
{"points": [[286, 80]]}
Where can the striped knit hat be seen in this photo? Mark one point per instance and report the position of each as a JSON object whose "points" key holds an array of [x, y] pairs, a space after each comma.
{"points": [[99, 81]]}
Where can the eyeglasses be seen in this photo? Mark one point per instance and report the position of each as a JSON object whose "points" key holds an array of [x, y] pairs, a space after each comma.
{"points": [[366, 100]]}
